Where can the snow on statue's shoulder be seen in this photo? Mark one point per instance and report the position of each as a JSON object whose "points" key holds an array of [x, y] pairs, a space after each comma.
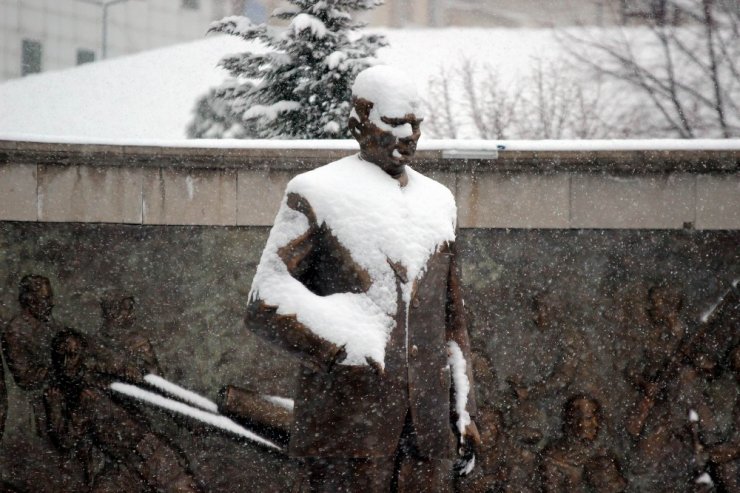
{"points": [[374, 217], [377, 221]]}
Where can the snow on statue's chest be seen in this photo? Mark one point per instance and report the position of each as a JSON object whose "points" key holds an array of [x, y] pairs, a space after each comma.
{"points": [[376, 221], [375, 218]]}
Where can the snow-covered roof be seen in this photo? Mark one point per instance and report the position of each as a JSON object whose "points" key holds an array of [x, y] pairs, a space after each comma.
{"points": [[148, 98], [150, 95]]}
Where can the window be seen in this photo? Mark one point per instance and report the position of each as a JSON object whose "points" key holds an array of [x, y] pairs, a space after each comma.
{"points": [[31, 57], [190, 4], [85, 56]]}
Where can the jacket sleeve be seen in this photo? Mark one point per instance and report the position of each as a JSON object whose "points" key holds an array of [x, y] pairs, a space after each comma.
{"points": [[286, 330], [457, 337]]}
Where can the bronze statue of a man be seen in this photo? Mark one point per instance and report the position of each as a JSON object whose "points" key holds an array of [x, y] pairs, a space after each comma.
{"points": [[121, 335], [27, 342], [359, 278]]}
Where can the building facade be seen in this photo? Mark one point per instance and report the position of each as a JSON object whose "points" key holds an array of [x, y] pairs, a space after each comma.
{"points": [[499, 13], [42, 35]]}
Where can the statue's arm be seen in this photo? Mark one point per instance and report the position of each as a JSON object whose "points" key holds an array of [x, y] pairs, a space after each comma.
{"points": [[27, 368], [65, 430], [285, 330], [104, 361], [729, 450], [553, 474], [143, 349], [457, 328]]}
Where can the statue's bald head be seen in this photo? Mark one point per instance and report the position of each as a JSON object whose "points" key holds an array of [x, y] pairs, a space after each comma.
{"points": [[389, 90], [385, 119]]}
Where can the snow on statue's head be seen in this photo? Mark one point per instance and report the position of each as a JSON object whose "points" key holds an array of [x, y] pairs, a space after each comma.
{"points": [[385, 118], [391, 92]]}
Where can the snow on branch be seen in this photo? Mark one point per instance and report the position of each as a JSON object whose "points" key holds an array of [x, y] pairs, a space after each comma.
{"points": [[304, 21], [272, 111], [238, 26], [312, 63]]}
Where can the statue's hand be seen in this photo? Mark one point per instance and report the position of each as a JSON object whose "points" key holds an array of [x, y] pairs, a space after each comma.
{"points": [[133, 374], [337, 358], [470, 439], [377, 367], [517, 388]]}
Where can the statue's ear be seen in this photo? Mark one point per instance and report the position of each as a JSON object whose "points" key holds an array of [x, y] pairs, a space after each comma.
{"points": [[362, 108], [360, 113]]}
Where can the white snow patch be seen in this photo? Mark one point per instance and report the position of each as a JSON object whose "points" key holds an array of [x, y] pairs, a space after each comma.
{"points": [[392, 93], [241, 23], [216, 420], [332, 128], [376, 220], [335, 60], [351, 145], [462, 385], [150, 95], [270, 112], [190, 187], [706, 479], [693, 416], [468, 467], [704, 317], [304, 21], [283, 402], [181, 393]]}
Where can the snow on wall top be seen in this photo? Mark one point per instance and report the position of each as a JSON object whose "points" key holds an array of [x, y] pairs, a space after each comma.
{"points": [[376, 220], [424, 144]]}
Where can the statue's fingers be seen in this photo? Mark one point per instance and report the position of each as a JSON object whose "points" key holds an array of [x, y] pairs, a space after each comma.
{"points": [[377, 367]]}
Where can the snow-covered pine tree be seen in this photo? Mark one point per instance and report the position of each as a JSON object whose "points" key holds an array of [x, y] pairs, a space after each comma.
{"points": [[301, 86]]}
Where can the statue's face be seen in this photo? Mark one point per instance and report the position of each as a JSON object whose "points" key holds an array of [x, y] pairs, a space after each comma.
{"points": [[390, 143], [585, 419], [544, 313], [41, 301], [126, 315], [71, 359], [663, 306]]}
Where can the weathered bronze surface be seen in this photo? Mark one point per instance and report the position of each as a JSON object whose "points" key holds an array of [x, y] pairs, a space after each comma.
{"points": [[258, 412], [601, 282], [27, 341], [120, 335], [403, 406], [86, 423]]}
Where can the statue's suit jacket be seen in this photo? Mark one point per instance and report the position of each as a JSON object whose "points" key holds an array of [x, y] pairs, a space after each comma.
{"points": [[357, 411]]}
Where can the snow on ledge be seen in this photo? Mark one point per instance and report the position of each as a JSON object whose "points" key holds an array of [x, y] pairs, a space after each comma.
{"points": [[491, 146]]}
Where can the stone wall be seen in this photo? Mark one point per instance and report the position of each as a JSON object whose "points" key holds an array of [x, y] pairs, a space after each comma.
{"points": [[183, 230], [627, 188]]}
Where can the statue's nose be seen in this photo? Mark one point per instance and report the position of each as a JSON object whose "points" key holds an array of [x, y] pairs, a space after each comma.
{"points": [[409, 143]]}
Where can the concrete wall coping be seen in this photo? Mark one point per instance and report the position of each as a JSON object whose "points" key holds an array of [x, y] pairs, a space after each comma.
{"points": [[496, 185], [630, 157]]}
